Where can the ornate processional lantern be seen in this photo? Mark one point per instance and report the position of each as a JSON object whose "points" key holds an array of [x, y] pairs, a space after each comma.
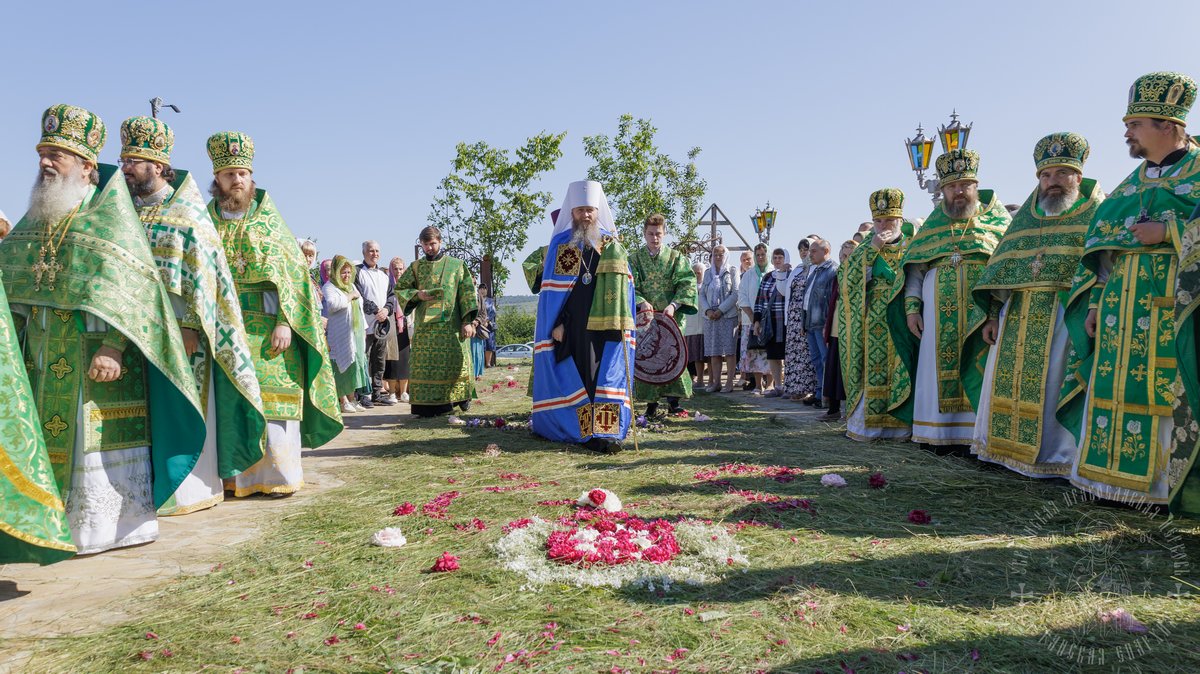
{"points": [[764, 220], [953, 136]]}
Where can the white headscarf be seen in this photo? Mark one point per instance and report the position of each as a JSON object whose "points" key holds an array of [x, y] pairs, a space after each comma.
{"points": [[584, 193]]}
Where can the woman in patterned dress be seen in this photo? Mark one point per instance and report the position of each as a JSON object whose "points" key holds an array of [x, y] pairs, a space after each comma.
{"points": [[799, 376]]}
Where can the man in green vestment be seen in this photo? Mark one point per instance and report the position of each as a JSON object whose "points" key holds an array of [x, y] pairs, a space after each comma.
{"points": [[192, 265], [930, 327], [1122, 308], [116, 399], [439, 288], [663, 281], [878, 388], [282, 320], [33, 521], [1027, 276]]}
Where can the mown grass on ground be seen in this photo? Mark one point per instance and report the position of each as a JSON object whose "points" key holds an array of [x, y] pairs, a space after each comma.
{"points": [[1010, 575]]}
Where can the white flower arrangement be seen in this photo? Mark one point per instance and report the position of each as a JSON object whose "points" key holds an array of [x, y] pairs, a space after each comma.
{"points": [[707, 551], [833, 480], [610, 503], [390, 537]]}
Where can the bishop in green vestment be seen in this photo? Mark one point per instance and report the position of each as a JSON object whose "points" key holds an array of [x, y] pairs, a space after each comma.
{"points": [[878, 387], [191, 262], [116, 399], [441, 292], [282, 320], [941, 265], [1027, 276], [1122, 308], [663, 281]]}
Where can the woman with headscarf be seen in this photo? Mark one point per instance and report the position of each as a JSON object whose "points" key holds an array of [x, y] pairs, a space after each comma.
{"points": [[395, 367], [770, 318], [754, 361], [346, 332], [800, 377], [718, 305]]}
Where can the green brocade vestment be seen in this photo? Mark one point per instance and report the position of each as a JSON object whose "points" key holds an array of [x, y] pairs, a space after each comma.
{"points": [[959, 250], [103, 268], [1128, 372], [1032, 269], [440, 360], [532, 268], [264, 257], [872, 370], [191, 262], [660, 280], [1182, 476], [33, 520]]}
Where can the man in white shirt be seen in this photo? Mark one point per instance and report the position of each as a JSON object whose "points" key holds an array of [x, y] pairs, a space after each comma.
{"points": [[375, 286]]}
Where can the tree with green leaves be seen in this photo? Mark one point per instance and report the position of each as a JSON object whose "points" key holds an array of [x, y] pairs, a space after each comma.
{"points": [[486, 204], [639, 180]]}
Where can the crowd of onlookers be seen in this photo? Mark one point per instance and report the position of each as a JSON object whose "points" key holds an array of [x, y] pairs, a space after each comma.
{"points": [[766, 325], [769, 324], [369, 334]]}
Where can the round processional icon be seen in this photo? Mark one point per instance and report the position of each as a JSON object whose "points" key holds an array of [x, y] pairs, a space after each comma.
{"points": [[661, 354]]}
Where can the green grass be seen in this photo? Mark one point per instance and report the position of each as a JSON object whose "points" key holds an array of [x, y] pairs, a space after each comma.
{"points": [[855, 585]]}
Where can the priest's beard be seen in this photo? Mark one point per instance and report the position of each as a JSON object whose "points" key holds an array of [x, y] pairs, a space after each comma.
{"points": [[55, 195], [1058, 200], [141, 188], [589, 235], [233, 202], [962, 207]]}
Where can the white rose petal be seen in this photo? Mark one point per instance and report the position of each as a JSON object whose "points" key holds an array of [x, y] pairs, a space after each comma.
{"points": [[833, 480], [390, 537]]}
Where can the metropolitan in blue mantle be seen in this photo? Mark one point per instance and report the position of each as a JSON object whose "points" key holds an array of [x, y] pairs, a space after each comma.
{"points": [[584, 337]]}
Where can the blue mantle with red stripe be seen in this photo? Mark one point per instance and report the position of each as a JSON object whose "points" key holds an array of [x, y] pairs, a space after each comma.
{"points": [[562, 410]]}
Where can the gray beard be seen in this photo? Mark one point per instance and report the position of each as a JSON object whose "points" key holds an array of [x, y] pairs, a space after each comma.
{"points": [[54, 197], [964, 212], [581, 236], [1056, 205]]}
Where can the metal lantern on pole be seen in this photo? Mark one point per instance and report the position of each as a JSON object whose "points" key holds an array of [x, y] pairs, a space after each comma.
{"points": [[954, 135], [920, 151], [920, 154], [764, 220]]}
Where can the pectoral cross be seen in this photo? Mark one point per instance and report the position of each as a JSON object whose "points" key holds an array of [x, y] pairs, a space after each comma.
{"points": [[1037, 265], [240, 262], [956, 258], [43, 268]]}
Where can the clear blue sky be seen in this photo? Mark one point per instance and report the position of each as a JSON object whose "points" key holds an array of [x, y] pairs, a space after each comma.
{"points": [[356, 107]]}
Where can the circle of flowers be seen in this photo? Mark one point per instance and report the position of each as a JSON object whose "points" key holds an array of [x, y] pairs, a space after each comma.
{"points": [[623, 551]]}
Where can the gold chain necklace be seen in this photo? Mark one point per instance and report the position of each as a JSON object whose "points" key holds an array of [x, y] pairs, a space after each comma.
{"points": [[50, 268]]}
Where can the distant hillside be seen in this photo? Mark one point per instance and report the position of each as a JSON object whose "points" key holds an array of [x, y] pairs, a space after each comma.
{"points": [[526, 303]]}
